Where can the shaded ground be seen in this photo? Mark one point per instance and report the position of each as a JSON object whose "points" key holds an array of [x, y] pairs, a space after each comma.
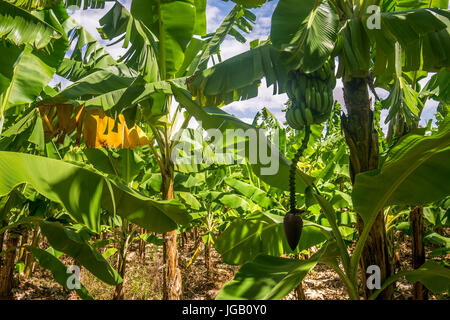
{"points": [[144, 281]]}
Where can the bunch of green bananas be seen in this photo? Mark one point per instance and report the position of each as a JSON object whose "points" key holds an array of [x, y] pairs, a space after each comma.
{"points": [[311, 96]]}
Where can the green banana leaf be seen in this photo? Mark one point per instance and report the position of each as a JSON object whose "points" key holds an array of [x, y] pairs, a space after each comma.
{"points": [[87, 4], [150, 238], [437, 87], [433, 275], [415, 173], [229, 200], [424, 35], [72, 243], [251, 3], [128, 96], [58, 270], [173, 23], [402, 100], [239, 17], [244, 239], [118, 23], [214, 118], [238, 78], [124, 163], [193, 137], [22, 27], [255, 194], [307, 32], [189, 199], [142, 55], [35, 46], [88, 54], [268, 278], [97, 83], [142, 26], [73, 4], [26, 122], [82, 192], [200, 17], [23, 75]]}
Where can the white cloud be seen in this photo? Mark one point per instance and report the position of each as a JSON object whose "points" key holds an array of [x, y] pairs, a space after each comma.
{"points": [[89, 18], [265, 98], [57, 79], [428, 112], [213, 17]]}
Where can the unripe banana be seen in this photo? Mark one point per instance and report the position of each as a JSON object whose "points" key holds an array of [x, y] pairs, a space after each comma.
{"points": [[325, 99], [319, 105], [293, 88], [311, 95], [308, 96], [309, 117], [327, 69], [322, 117], [312, 104], [323, 74], [289, 89], [302, 105], [332, 81], [299, 95], [289, 118], [330, 101], [302, 84], [299, 118]]}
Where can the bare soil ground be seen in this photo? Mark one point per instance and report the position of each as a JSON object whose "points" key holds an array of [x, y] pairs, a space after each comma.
{"points": [[143, 281]]}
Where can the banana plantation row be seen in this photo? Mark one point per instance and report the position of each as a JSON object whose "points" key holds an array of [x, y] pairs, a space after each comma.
{"points": [[90, 170]]}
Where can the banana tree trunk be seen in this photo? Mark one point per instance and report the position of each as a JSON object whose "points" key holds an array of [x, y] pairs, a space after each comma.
{"points": [[7, 265], [2, 236], [208, 258], [299, 292], [29, 259], [195, 237], [172, 275], [23, 243], [418, 249], [362, 140], [125, 235], [119, 291], [142, 247], [183, 239]]}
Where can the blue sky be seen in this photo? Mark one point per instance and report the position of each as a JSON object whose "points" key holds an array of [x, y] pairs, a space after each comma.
{"points": [[216, 12]]}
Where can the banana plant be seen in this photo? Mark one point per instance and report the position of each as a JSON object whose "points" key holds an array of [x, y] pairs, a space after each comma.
{"points": [[157, 52], [414, 157], [34, 46], [163, 59], [85, 212], [60, 231], [405, 103], [363, 36]]}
